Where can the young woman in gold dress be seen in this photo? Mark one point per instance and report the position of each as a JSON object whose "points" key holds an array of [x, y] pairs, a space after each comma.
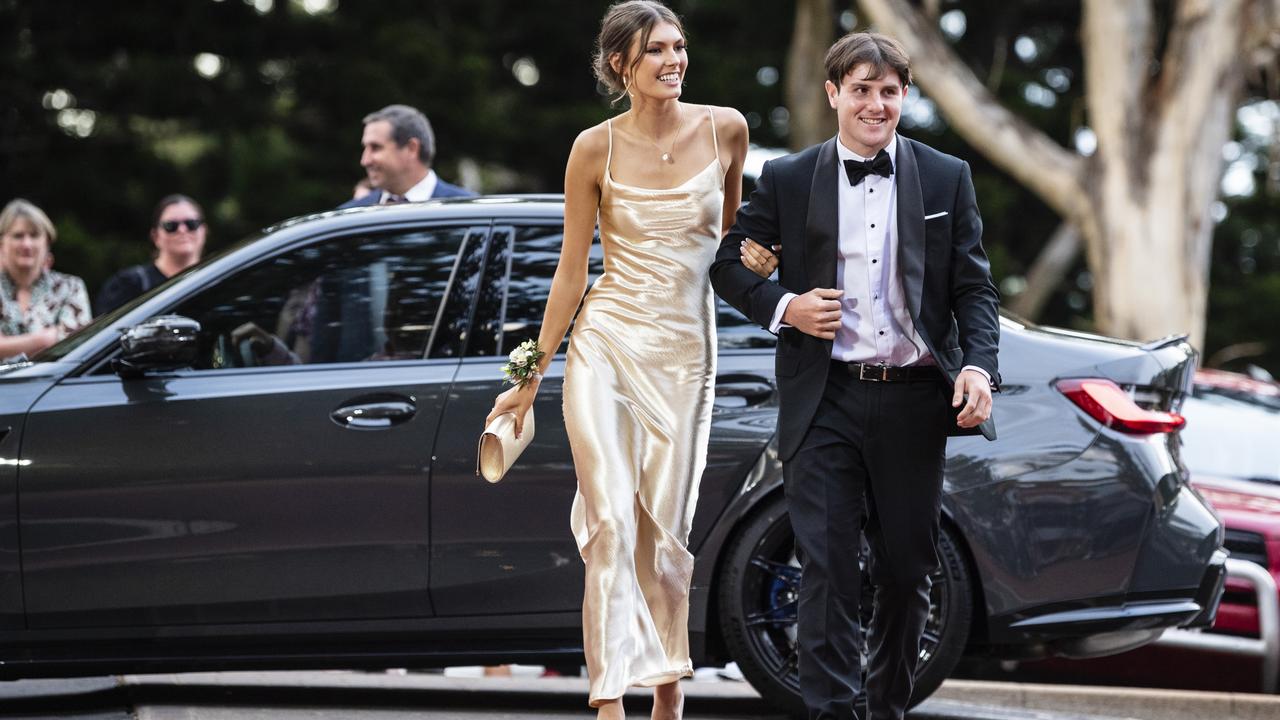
{"points": [[664, 180]]}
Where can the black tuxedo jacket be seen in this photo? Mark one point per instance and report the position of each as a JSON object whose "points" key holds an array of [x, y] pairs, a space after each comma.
{"points": [[945, 273], [443, 190]]}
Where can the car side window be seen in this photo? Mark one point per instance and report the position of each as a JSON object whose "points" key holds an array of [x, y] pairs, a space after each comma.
{"points": [[456, 317], [486, 334], [529, 264], [528, 269], [369, 297]]}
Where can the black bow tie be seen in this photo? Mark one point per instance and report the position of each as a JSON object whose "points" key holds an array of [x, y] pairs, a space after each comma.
{"points": [[858, 169]]}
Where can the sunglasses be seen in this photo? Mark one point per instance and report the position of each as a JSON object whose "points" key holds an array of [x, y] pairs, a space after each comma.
{"points": [[171, 226]]}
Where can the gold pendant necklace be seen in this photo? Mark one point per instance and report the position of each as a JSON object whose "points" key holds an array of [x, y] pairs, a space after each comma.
{"points": [[668, 156]]}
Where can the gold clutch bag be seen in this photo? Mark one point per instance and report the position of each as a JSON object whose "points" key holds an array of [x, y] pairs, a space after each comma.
{"points": [[499, 446]]}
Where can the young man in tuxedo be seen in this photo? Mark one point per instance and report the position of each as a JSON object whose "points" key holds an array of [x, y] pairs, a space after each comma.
{"points": [[887, 327], [399, 148]]}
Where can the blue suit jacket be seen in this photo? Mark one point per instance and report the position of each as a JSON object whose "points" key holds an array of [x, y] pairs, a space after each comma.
{"points": [[443, 190]]}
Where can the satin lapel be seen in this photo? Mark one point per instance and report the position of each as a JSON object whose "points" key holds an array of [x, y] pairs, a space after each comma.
{"points": [[910, 227], [822, 224]]}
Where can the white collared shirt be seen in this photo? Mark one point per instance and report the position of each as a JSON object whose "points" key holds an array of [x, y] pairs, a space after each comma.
{"points": [[418, 193], [875, 325]]}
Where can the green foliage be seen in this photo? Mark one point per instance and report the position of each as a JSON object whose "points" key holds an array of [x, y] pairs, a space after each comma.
{"points": [[1245, 283], [275, 132]]}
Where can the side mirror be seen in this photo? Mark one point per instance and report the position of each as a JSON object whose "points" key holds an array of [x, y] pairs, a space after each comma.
{"points": [[165, 342]]}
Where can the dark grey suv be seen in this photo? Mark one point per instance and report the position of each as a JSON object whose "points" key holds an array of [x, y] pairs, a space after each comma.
{"points": [[288, 481]]}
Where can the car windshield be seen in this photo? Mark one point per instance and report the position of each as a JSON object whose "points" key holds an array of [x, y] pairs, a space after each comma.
{"points": [[77, 338], [74, 340], [1232, 434]]}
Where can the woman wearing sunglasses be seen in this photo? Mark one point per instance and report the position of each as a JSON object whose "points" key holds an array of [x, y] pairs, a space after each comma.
{"points": [[178, 232], [38, 307]]}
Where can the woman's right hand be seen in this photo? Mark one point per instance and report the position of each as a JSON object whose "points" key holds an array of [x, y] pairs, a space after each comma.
{"points": [[43, 338], [515, 400], [758, 259]]}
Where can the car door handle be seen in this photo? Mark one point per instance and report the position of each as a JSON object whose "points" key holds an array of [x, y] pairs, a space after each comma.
{"points": [[751, 390], [375, 413]]}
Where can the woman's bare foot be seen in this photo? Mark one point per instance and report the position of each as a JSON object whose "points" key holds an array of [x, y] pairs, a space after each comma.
{"points": [[668, 701], [610, 710]]}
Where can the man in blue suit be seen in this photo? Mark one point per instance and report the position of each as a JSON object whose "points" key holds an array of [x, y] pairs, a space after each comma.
{"points": [[398, 150]]}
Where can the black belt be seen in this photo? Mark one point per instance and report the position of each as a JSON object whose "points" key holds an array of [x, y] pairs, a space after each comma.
{"points": [[888, 373]]}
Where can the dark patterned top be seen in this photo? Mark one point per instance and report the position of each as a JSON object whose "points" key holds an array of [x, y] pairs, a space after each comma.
{"points": [[57, 300]]}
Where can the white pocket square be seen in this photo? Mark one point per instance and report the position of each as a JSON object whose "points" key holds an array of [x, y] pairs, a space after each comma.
{"points": [[935, 215]]}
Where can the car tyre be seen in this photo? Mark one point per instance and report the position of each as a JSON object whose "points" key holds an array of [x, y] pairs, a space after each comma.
{"points": [[759, 586]]}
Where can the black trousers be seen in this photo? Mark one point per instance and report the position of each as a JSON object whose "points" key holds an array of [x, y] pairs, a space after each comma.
{"points": [[870, 463]]}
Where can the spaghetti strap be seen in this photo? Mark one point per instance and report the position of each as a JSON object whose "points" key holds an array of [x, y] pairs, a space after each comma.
{"points": [[715, 142], [608, 160]]}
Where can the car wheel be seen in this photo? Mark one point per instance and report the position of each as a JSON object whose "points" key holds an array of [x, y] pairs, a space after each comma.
{"points": [[759, 586]]}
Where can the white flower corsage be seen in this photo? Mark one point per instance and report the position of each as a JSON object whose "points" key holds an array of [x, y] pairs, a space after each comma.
{"points": [[522, 364]]}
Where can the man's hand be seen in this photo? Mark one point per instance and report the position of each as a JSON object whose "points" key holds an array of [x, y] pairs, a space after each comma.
{"points": [[815, 313], [977, 409]]}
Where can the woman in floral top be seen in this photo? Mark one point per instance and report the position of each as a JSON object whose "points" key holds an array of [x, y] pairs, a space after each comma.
{"points": [[38, 307]]}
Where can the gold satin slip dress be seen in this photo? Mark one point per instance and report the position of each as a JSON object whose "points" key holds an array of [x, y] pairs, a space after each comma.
{"points": [[638, 390]]}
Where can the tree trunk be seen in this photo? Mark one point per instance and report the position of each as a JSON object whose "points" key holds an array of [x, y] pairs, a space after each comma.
{"points": [[1047, 272], [812, 119], [1159, 160], [1142, 201]]}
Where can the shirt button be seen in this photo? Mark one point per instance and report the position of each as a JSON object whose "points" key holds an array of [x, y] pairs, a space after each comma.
{"points": [[874, 261], [875, 297], [871, 189], [873, 224], [881, 332]]}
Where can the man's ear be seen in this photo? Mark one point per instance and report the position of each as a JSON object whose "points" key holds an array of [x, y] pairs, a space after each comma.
{"points": [[413, 144], [833, 92]]}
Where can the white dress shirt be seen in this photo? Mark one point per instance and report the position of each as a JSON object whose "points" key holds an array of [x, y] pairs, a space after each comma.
{"points": [[875, 324], [418, 193]]}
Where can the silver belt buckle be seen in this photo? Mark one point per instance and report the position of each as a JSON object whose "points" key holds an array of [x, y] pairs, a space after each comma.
{"points": [[880, 376]]}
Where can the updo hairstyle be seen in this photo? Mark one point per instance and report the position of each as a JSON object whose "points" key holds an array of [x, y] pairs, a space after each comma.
{"points": [[619, 27]]}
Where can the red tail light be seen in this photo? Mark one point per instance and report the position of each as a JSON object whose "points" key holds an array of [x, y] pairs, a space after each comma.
{"points": [[1111, 406]]}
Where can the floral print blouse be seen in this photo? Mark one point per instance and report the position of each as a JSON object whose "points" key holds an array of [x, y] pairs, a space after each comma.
{"points": [[57, 300]]}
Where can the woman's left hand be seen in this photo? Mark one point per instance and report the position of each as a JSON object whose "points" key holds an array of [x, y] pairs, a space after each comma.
{"points": [[517, 401], [759, 260]]}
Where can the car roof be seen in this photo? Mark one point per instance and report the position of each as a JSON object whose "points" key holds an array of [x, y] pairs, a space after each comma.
{"points": [[488, 206]]}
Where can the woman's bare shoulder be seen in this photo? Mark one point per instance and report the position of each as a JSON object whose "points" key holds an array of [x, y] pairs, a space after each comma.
{"points": [[589, 156], [592, 144], [729, 121]]}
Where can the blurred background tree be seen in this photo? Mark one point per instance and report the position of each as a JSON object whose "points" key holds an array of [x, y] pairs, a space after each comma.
{"points": [[1161, 84], [253, 107]]}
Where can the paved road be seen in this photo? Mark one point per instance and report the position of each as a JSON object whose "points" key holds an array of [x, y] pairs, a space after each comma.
{"points": [[378, 696], [329, 696]]}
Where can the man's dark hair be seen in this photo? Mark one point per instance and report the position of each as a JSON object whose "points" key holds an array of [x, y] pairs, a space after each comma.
{"points": [[407, 123], [881, 52]]}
